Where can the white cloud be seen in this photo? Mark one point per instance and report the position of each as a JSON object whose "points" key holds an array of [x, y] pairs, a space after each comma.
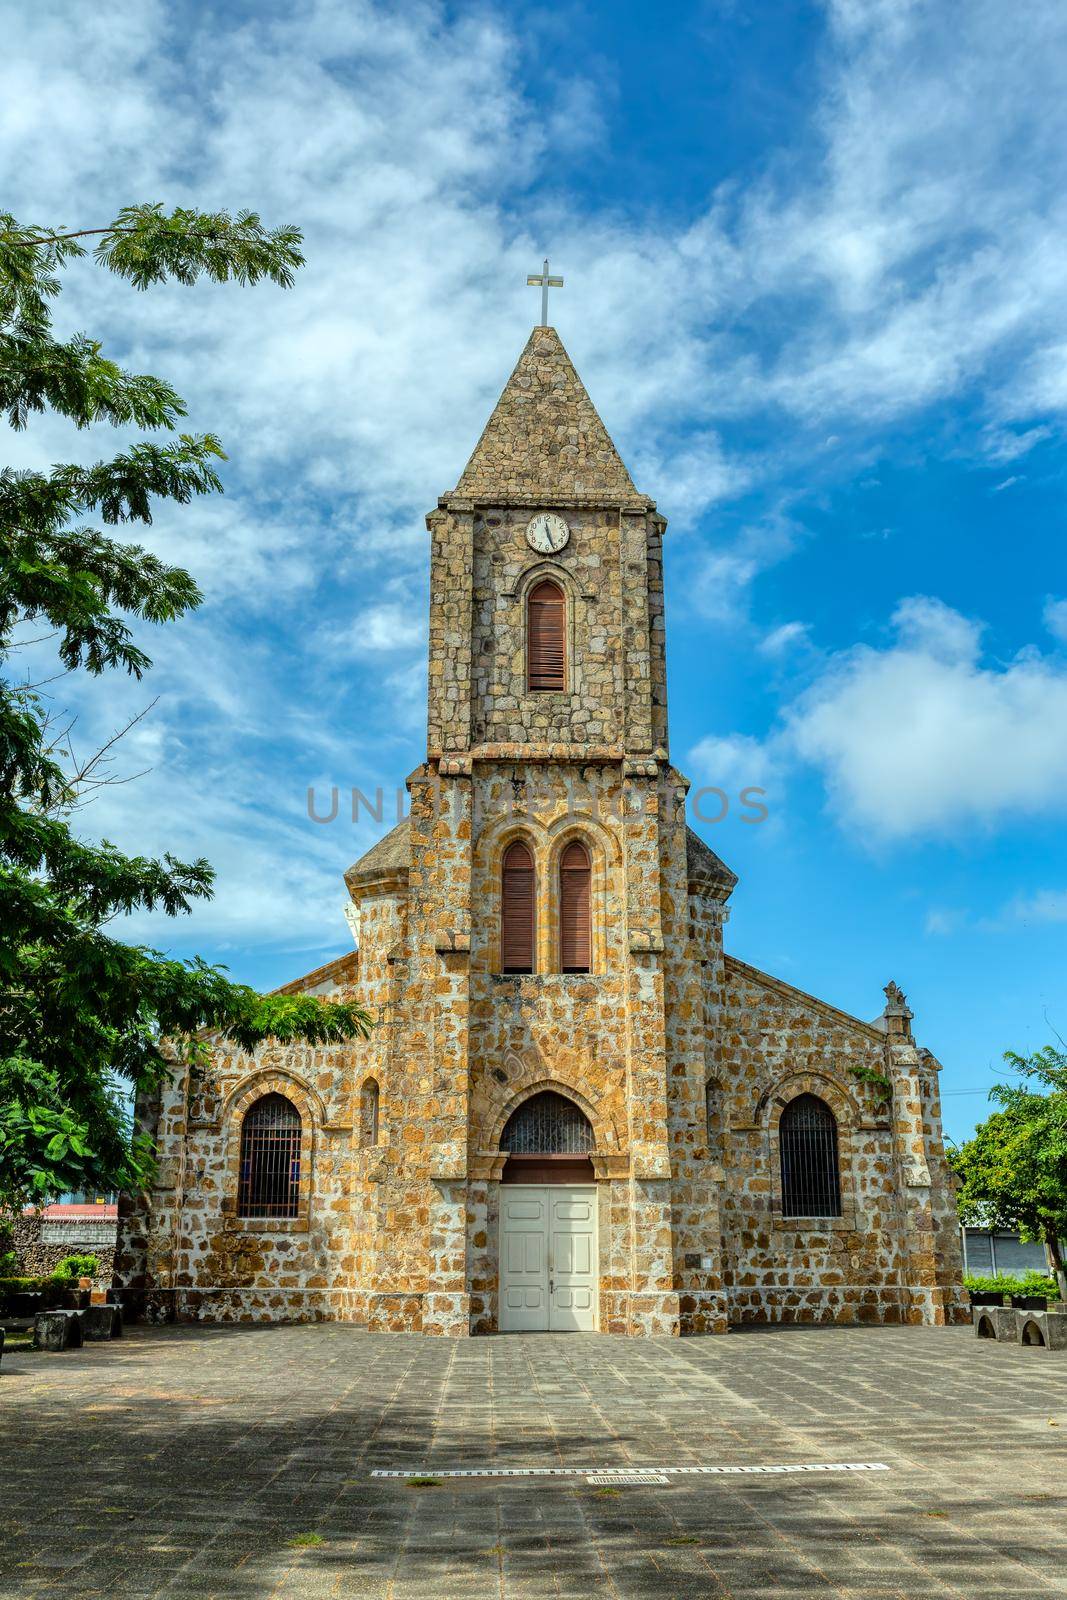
{"points": [[916, 258], [1055, 618], [734, 762], [921, 738], [781, 640], [1046, 905], [940, 921]]}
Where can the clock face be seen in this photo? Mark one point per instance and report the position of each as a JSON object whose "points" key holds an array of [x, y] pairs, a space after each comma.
{"points": [[547, 533]]}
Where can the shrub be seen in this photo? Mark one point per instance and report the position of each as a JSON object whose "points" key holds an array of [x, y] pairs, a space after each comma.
{"points": [[1022, 1283], [9, 1264], [53, 1290], [78, 1267]]}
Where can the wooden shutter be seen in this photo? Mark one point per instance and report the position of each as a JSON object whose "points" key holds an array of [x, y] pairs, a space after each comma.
{"points": [[546, 637], [574, 920], [517, 910]]}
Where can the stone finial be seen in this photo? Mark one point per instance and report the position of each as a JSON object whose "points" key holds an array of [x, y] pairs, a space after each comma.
{"points": [[897, 1013]]}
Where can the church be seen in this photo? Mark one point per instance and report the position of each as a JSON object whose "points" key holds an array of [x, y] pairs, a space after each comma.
{"points": [[576, 1111]]}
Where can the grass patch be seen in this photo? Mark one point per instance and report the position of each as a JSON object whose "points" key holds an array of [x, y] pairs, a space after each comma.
{"points": [[683, 1538], [305, 1541], [607, 1494], [424, 1483]]}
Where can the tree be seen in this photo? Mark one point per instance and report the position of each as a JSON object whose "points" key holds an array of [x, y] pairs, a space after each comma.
{"points": [[82, 1012], [1013, 1171]]}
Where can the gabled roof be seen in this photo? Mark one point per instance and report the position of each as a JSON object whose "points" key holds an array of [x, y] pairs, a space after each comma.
{"points": [[544, 439]]}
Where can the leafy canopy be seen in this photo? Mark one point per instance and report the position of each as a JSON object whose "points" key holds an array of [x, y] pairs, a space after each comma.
{"points": [[83, 1015], [1013, 1172]]}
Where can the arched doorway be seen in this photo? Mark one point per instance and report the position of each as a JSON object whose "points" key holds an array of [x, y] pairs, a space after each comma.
{"points": [[549, 1267]]}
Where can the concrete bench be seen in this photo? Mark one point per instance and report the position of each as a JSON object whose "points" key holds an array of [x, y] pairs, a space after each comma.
{"points": [[100, 1322], [66, 1330], [57, 1330], [1041, 1329]]}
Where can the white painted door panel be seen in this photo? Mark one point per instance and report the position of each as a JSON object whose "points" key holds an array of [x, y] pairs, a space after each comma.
{"points": [[572, 1269], [523, 1260], [548, 1258]]}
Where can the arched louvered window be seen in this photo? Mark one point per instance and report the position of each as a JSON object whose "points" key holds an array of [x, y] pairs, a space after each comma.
{"points": [[807, 1141], [368, 1113], [546, 637], [575, 930], [270, 1159], [548, 1124], [517, 909]]}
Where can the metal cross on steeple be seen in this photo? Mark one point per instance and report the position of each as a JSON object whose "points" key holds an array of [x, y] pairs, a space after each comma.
{"points": [[545, 283]]}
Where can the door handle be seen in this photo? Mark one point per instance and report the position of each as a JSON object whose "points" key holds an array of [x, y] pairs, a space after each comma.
{"points": [[551, 1285]]}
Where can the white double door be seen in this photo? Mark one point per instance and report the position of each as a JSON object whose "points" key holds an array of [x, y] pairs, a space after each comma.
{"points": [[548, 1258]]}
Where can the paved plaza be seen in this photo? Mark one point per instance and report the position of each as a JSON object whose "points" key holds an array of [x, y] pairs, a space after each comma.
{"points": [[237, 1462]]}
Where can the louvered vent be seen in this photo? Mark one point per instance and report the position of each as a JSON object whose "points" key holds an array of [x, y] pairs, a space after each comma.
{"points": [[517, 909], [546, 637], [574, 909]]}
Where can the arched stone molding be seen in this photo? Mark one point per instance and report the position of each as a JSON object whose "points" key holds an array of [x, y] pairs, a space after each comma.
{"points": [[537, 572], [847, 1115], [312, 1117], [533, 1080], [274, 1080], [838, 1096]]}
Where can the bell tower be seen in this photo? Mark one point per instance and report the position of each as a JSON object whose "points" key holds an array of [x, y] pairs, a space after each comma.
{"points": [[545, 496], [547, 746]]}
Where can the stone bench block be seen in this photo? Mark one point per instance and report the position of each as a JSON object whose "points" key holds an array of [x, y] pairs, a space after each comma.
{"points": [[1043, 1329], [100, 1322], [57, 1330], [1048, 1328]]}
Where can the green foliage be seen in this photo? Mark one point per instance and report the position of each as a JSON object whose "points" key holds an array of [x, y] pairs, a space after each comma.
{"points": [[1017, 1283], [9, 1263], [879, 1082], [81, 1011], [1013, 1172], [77, 1267]]}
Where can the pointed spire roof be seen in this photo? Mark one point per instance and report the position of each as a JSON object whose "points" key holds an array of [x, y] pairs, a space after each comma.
{"points": [[544, 440]]}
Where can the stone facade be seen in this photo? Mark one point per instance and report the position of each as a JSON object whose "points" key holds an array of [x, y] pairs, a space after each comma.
{"points": [[681, 1058]]}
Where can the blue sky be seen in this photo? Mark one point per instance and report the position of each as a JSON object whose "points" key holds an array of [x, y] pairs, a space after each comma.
{"points": [[816, 264]]}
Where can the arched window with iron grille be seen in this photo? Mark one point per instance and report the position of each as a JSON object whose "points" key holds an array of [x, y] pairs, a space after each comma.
{"points": [[369, 1100], [270, 1159], [546, 637], [517, 909], [807, 1142], [548, 1124], [575, 911]]}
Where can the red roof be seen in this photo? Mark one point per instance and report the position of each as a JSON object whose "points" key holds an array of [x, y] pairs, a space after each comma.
{"points": [[76, 1213]]}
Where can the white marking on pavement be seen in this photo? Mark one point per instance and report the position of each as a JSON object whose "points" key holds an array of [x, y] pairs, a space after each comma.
{"points": [[611, 1480], [585, 1472]]}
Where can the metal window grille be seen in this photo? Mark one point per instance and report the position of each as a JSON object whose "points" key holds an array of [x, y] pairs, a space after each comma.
{"points": [[548, 1125], [270, 1159], [807, 1139]]}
